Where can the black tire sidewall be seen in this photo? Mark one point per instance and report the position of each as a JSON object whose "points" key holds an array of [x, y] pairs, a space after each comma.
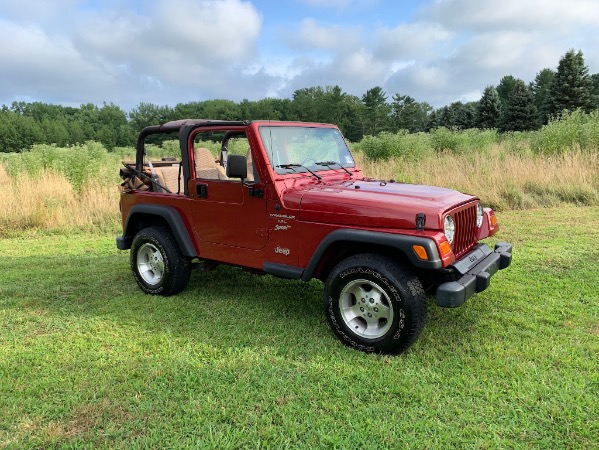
{"points": [[401, 333], [161, 240]]}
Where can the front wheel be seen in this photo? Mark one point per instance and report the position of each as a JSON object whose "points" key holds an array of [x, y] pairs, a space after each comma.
{"points": [[375, 304], [157, 263]]}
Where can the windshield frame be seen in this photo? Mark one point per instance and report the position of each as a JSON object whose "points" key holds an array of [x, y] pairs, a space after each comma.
{"points": [[283, 143]]}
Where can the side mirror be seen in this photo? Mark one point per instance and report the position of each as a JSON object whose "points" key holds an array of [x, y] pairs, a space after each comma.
{"points": [[237, 167]]}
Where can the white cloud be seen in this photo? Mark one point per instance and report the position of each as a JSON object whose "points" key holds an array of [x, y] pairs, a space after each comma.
{"points": [[174, 45], [481, 40], [41, 64], [310, 35], [224, 30], [487, 15], [107, 54], [167, 52], [362, 65], [410, 39]]}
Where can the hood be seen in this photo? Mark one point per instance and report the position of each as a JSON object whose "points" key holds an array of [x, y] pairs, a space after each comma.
{"points": [[373, 203]]}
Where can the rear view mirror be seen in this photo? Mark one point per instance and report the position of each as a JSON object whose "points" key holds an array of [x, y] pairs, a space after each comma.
{"points": [[237, 167]]}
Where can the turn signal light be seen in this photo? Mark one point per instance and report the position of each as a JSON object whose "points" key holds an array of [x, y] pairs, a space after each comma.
{"points": [[445, 248], [420, 251], [493, 219]]}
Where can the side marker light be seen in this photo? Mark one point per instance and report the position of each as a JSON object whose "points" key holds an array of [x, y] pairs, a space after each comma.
{"points": [[420, 251]]}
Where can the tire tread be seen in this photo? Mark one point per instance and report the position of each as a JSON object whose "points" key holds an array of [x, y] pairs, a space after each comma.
{"points": [[179, 272], [404, 277]]}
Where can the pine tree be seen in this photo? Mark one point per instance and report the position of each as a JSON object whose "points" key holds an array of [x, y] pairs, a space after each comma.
{"points": [[408, 114], [595, 80], [520, 112], [505, 87], [376, 110], [464, 115], [489, 109], [540, 90], [433, 120], [572, 86]]}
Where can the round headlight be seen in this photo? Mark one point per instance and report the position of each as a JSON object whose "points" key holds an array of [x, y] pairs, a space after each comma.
{"points": [[479, 215], [449, 228]]}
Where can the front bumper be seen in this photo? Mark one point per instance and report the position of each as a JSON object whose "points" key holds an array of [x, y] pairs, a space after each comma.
{"points": [[476, 268]]}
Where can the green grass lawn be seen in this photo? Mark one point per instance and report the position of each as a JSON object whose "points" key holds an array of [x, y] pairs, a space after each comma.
{"points": [[242, 361]]}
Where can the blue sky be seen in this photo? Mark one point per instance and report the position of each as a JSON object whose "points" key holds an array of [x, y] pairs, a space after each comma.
{"points": [[166, 52]]}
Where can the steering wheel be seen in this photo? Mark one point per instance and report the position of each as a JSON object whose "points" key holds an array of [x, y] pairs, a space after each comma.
{"points": [[303, 163]]}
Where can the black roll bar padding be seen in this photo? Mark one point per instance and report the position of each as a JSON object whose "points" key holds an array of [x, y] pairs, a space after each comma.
{"points": [[169, 127], [224, 151], [184, 128], [139, 147]]}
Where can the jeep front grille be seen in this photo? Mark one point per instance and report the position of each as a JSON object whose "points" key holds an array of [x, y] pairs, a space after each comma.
{"points": [[465, 230]]}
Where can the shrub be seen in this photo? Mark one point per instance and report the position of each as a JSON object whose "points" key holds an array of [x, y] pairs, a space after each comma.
{"points": [[480, 140], [404, 145], [516, 142], [464, 141], [78, 163], [567, 132], [443, 139]]}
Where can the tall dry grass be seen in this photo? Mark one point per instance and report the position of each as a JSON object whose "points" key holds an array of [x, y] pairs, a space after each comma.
{"points": [[502, 180], [49, 201], [54, 196]]}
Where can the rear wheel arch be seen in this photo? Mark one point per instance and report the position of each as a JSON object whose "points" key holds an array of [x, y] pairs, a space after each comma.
{"points": [[143, 216], [138, 221]]}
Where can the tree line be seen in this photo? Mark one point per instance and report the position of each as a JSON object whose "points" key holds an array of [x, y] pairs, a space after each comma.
{"points": [[512, 105]]}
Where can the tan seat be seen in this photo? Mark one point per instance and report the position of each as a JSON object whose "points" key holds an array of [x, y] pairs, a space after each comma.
{"points": [[222, 175], [206, 166], [168, 176], [248, 156]]}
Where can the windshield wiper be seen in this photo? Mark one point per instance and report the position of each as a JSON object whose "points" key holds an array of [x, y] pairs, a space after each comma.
{"points": [[293, 166], [330, 163]]}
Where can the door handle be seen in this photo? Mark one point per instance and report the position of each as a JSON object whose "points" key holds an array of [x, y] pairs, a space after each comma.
{"points": [[202, 190]]}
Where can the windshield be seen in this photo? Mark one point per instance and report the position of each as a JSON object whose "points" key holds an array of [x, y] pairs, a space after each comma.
{"points": [[300, 149]]}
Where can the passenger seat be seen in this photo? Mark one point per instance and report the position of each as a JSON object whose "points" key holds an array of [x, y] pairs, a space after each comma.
{"points": [[206, 166], [168, 176]]}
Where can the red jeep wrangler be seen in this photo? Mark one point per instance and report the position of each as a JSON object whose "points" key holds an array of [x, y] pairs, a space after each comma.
{"points": [[294, 205]]}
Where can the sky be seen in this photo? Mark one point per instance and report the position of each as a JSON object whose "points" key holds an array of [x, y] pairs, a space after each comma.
{"points": [[125, 52]]}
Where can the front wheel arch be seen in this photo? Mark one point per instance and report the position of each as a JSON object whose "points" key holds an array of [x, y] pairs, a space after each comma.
{"points": [[396, 288], [366, 241]]}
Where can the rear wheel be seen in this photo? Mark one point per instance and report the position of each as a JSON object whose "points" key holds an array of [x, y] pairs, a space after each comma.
{"points": [[375, 304], [157, 263]]}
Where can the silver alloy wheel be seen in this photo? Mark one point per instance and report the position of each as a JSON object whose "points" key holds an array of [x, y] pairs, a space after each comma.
{"points": [[150, 264], [366, 309]]}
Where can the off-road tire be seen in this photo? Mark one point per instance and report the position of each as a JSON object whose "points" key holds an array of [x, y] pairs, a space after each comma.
{"points": [[157, 263], [375, 304]]}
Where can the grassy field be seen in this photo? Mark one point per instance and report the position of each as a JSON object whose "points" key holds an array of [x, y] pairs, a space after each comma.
{"points": [[240, 361]]}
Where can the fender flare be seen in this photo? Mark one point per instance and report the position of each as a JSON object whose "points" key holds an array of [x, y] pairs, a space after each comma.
{"points": [[399, 242], [173, 219]]}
